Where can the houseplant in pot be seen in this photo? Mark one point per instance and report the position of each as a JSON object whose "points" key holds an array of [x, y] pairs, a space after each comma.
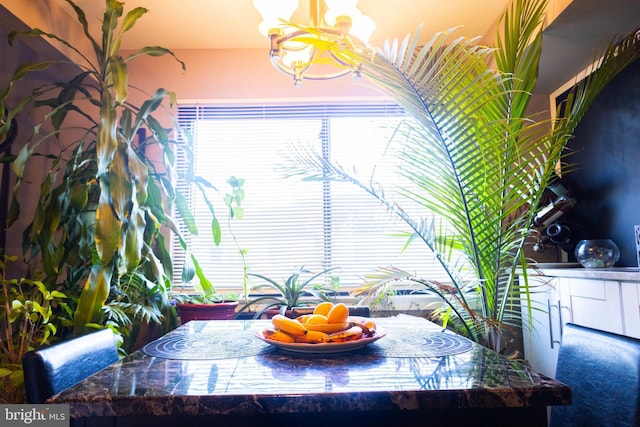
{"points": [[207, 304], [473, 162], [100, 231], [297, 290]]}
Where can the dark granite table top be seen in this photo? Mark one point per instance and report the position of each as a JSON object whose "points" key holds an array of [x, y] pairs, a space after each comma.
{"points": [[220, 367]]}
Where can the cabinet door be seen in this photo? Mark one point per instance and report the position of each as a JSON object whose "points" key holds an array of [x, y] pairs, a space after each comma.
{"points": [[631, 308], [541, 331], [594, 303]]}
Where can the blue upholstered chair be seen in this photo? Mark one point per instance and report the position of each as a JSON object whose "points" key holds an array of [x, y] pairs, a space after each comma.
{"points": [[603, 371], [55, 368]]}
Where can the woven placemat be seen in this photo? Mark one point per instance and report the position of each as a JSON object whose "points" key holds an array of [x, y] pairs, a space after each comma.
{"points": [[399, 342], [207, 345], [408, 342]]}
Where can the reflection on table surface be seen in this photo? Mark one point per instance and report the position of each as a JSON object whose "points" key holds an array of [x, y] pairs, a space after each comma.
{"points": [[231, 371]]}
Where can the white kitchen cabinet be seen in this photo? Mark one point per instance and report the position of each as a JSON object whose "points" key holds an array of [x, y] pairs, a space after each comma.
{"points": [[542, 330], [630, 293], [608, 300], [593, 303]]}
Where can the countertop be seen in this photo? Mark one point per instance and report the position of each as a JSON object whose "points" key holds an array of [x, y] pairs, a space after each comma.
{"points": [[629, 274], [385, 377]]}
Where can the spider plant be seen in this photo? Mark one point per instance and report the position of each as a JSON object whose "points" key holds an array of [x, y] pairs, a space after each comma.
{"points": [[471, 158], [290, 293]]}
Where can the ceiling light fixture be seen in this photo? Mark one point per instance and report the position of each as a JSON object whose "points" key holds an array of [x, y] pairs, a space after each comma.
{"points": [[296, 48]]}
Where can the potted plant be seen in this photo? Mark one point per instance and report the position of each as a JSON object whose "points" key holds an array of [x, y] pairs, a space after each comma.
{"points": [[297, 290], [31, 316], [207, 304], [100, 230], [472, 160], [203, 307]]}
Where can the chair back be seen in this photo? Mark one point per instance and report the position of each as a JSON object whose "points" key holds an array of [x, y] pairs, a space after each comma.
{"points": [[354, 310], [603, 371], [55, 368]]}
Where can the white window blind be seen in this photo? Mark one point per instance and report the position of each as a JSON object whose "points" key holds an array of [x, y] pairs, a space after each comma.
{"points": [[289, 223]]}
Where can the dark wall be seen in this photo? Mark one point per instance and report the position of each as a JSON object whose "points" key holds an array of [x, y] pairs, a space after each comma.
{"points": [[606, 173]]}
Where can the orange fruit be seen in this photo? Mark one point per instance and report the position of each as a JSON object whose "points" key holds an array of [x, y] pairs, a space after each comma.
{"points": [[317, 319], [339, 313], [323, 308]]}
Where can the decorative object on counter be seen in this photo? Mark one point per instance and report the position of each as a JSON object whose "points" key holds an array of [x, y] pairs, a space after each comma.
{"points": [[556, 234], [560, 201], [599, 253], [560, 235]]}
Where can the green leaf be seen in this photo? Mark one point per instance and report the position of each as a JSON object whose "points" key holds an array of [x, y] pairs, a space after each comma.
{"points": [[206, 285], [188, 270], [131, 18], [108, 230], [156, 51], [120, 78], [94, 294], [185, 214], [216, 231], [134, 239]]}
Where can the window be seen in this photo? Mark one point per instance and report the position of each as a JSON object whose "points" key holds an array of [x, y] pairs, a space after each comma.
{"points": [[290, 223]]}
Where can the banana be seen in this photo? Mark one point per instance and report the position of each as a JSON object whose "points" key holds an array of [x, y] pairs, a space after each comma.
{"points": [[277, 335], [287, 325], [303, 318], [351, 334], [328, 328], [312, 337], [368, 327]]}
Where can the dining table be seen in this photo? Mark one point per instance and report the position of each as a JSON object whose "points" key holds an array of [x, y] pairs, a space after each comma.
{"points": [[221, 372]]}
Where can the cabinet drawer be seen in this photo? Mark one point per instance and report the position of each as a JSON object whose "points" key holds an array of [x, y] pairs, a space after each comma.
{"points": [[631, 308], [594, 289], [595, 304]]}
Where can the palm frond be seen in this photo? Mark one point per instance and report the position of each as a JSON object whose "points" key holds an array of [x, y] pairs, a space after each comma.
{"points": [[469, 157]]}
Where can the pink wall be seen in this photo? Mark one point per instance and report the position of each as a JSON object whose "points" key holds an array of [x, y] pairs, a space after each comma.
{"points": [[236, 76]]}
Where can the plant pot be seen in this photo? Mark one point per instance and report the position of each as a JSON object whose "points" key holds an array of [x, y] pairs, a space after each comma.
{"points": [[224, 310]]}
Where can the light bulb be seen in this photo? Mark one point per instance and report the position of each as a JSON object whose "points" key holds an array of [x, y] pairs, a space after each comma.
{"points": [[337, 8], [363, 27], [273, 12], [297, 58]]}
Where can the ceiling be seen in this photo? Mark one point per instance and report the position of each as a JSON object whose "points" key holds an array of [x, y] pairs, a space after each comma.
{"points": [[229, 24]]}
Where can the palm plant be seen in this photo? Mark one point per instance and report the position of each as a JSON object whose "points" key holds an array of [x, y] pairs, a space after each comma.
{"points": [[471, 159]]}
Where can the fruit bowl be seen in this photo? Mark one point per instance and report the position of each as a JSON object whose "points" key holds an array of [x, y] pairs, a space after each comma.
{"points": [[326, 347]]}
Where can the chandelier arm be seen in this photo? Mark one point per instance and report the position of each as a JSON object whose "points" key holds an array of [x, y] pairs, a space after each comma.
{"points": [[288, 51]]}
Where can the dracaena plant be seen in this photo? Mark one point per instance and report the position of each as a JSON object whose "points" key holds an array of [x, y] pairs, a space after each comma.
{"points": [[98, 230], [471, 158]]}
